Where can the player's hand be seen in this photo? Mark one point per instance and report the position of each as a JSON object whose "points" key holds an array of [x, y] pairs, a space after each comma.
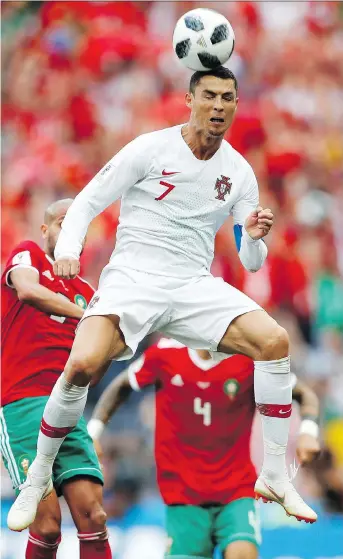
{"points": [[308, 449], [66, 268], [259, 223]]}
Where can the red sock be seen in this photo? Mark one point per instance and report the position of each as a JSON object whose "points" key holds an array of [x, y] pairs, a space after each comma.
{"points": [[39, 548], [94, 546]]}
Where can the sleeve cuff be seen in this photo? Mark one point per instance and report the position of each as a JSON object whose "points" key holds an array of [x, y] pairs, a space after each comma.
{"points": [[95, 428], [62, 255], [247, 237], [133, 381], [7, 277], [309, 427]]}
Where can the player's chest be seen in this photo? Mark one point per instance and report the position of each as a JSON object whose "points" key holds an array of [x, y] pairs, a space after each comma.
{"points": [[206, 410], [189, 394], [210, 187]]}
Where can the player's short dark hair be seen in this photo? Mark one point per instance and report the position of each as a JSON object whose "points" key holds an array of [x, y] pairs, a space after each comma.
{"points": [[52, 210], [219, 72]]}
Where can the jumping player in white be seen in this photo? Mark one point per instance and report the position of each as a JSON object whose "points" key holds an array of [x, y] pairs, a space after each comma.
{"points": [[177, 186]]}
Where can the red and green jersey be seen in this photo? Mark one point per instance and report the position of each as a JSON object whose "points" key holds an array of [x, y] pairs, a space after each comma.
{"points": [[204, 415], [35, 345]]}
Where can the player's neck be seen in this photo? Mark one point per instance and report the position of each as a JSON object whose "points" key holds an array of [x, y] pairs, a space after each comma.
{"points": [[203, 146], [203, 354], [48, 252]]}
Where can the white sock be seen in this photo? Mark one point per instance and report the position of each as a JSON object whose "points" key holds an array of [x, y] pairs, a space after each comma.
{"points": [[61, 414], [273, 396]]}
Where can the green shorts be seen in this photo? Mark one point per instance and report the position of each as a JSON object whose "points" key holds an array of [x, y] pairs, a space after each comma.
{"points": [[19, 428], [195, 531]]}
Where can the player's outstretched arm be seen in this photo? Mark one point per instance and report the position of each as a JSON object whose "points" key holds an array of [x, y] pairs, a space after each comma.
{"points": [[308, 447], [111, 399], [141, 373], [30, 291], [252, 223], [115, 178], [252, 252]]}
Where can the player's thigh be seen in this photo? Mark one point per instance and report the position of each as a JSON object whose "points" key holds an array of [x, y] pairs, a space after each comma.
{"points": [[255, 334], [203, 309], [127, 306], [84, 497], [241, 550], [19, 429], [237, 521], [189, 530], [98, 340], [47, 523], [77, 457]]}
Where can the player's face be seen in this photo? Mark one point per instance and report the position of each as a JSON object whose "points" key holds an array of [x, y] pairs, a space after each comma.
{"points": [[50, 234], [213, 105], [51, 231]]}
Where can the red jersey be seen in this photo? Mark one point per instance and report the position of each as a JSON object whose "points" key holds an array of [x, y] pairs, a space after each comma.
{"points": [[35, 345], [204, 415]]}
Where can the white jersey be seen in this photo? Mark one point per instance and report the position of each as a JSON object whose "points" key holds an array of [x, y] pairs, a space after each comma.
{"points": [[172, 204]]}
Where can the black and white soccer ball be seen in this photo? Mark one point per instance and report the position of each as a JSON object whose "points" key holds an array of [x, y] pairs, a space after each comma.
{"points": [[203, 39]]}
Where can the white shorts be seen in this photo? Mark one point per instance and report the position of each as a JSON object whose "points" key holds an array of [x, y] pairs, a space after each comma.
{"points": [[195, 313]]}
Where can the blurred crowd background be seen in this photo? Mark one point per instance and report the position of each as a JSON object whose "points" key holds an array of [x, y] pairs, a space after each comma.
{"points": [[81, 79]]}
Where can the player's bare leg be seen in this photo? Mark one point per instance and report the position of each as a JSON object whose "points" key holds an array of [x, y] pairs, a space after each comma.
{"points": [[45, 531], [84, 498], [258, 336], [97, 341], [241, 550]]}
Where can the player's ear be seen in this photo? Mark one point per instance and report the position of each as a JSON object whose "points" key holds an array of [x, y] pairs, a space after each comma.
{"points": [[188, 100], [44, 229]]}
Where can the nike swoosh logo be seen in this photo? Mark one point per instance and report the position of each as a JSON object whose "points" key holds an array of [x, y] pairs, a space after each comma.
{"points": [[284, 412], [166, 174], [280, 499]]}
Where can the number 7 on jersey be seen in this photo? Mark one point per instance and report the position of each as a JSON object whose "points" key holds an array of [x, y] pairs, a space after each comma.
{"points": [[169, 186]]}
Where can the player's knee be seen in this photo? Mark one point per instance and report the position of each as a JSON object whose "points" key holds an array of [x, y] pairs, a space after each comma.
{"points": [[241, 550], [98, 518], [241, 554], [80, 369], [49, 530], [91, 516], [275, 345]]}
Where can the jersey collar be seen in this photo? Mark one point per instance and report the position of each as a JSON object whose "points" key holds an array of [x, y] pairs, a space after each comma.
{"points": [[204, 364]]}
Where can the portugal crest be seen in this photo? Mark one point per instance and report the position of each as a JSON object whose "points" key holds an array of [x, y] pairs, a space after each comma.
{"points": [[223, 187], [231, 388]]}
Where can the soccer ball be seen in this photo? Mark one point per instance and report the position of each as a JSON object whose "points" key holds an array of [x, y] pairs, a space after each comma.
{"points": [[203, 39]]}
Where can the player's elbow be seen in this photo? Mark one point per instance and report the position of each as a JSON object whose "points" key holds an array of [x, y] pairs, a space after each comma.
{"points": [[26, 294], [249, 266], [252, 269], [252, 264], [124, 391]]}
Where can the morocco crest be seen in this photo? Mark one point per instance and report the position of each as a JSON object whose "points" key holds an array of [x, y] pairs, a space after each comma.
{"points": [[223, 187], [231, 387], [24, 463]]}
